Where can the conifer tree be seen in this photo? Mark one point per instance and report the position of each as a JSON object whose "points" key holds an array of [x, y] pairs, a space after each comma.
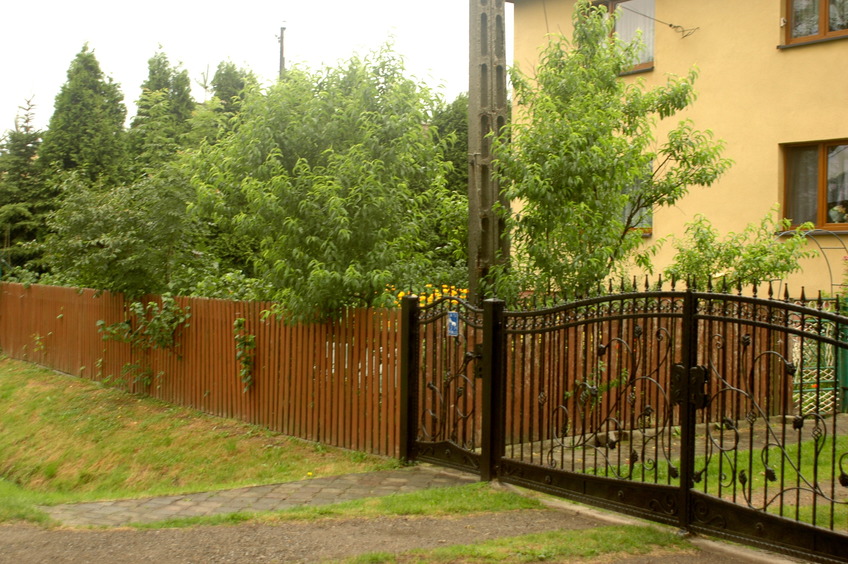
{"points": [[228, 85], [25, 199], [86, 131], [163, 113]]}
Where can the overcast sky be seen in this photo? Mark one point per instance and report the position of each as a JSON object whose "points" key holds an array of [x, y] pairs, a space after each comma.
{"points": [[39, 40]]}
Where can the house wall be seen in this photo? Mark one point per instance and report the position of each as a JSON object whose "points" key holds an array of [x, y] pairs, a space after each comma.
{"points": [[751, 94]]}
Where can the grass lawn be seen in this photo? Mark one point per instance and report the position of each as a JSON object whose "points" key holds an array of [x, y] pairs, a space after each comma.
{"points": [[65, 439]]}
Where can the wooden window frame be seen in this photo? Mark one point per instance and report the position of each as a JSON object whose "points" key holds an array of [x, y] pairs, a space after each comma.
{"points": [[822, 219], [611, 6], [824, 24]]}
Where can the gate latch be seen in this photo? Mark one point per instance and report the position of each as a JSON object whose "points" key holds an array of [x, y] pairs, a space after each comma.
{"points": [[478, 355], [698, 377]]}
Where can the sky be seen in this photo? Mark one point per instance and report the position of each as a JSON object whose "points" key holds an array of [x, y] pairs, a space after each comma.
{"points": [[40, 39]]}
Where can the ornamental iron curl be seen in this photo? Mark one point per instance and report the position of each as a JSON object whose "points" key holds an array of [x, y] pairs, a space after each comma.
{"points": [[600, 412], [448, 412], [772, 460]]}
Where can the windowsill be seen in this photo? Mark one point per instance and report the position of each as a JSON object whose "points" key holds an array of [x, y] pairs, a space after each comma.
{"points": [[842, 230], [639, 70], [812, 42]]}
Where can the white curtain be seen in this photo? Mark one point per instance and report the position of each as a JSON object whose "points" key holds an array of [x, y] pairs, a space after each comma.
{"points": [[802, 184], [805, 17], [838, 15], [635, 16]]}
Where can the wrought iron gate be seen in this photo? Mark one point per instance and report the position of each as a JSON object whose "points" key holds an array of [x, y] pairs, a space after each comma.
{"points": [[443, 347], [717, 413]]}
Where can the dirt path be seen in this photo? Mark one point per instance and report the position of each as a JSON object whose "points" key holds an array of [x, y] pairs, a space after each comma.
{"points": [[297, 542], [286, 542]]}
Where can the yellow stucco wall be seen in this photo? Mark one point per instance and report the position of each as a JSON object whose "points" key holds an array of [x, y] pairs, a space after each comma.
{"points": [[751, 94]]}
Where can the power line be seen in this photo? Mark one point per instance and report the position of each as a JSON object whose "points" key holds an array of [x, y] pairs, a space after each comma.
{"points": [[684, 32]]}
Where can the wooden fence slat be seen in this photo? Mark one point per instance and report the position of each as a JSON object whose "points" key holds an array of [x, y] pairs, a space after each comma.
{"points": [[335, 379]]}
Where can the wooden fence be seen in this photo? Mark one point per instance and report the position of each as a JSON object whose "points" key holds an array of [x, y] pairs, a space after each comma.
{"points": [[336, 382]]}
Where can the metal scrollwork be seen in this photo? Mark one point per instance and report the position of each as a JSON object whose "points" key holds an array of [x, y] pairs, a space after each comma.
{"points": [[605, 412], [771, 461], [443, 420]]}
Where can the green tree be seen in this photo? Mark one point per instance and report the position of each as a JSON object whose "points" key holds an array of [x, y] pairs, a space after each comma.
{"points": [[174, 82], [25, 199], [86, 130], [206, 123], [584, 163], [163, 116], [333, 187], [451, 123], [229, 84], [155, 133], [133, 239], [752, 256], [179, 94], [159, 73]]}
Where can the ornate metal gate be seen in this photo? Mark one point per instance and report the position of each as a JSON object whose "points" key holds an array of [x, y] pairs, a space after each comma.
{"points": [[680, 407], [443, 345]]}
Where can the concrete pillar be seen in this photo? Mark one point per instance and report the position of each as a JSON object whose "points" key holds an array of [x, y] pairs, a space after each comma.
{"points": [[487, 114]]}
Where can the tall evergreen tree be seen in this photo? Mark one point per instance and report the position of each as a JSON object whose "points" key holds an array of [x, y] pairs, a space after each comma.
{"points": [[163, 113], [159, 73], [24, 197], [162, 76], [228, 85], [182, 103], [86, 131], [451, 123]]}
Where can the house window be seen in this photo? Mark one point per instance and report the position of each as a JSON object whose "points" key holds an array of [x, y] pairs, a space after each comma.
{"points": [[644, 222], [636, 16], [817, 183], [642, 216], [816, 19]]}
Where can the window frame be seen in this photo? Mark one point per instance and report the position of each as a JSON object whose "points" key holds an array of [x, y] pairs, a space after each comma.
{"points": [[824, 32], [611, 6], [822, 220]]}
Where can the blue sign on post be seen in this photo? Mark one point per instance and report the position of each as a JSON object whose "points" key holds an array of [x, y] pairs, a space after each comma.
{"points": [[453, 324]]}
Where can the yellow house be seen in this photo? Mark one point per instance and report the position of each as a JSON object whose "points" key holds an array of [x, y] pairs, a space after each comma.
{"points": [[772, 84]]}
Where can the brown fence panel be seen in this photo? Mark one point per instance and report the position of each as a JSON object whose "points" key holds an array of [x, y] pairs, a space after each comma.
{"points": [[334, 382]]}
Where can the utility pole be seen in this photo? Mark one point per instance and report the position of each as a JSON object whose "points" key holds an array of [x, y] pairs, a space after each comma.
{"points": [[282, 39], [487, 115]]}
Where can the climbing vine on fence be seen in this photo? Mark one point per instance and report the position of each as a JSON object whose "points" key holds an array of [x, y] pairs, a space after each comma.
{"points": [[245, 352], [147, 326]]}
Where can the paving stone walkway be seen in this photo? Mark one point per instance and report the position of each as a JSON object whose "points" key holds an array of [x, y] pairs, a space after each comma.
{"points": [[275, 497]]}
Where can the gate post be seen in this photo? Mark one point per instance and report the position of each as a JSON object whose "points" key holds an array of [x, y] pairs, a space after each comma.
{"points": [[409, 374], [840, 364], [687, 408], [494, 368]]}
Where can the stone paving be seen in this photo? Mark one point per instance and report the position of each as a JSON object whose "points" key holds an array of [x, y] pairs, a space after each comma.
{"points": [[275, 497]]}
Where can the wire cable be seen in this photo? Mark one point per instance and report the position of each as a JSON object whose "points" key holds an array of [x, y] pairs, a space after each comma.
{"points": [[684, 32]]}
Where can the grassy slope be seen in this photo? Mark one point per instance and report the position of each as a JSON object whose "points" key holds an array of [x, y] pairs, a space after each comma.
{"points": [[67, 439]]}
